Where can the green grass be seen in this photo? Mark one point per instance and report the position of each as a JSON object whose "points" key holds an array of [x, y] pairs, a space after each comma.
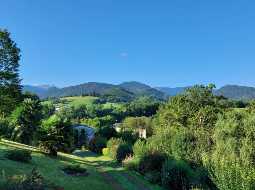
{"points": [[80, 100], [98, 168]]}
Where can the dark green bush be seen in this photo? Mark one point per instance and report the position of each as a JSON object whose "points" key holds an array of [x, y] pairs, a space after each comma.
{"points": [[97, 144], [123, 151], [19, 155], [151, 162], [176, 175], [107, 132], [153, 177], [5, 128], [74, 169], [128, 136]]}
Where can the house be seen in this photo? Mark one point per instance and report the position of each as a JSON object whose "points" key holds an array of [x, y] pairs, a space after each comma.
{"points": [[142, 133]]}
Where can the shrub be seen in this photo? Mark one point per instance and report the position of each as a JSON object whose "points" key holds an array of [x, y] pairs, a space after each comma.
{"points": [[128, 136], [176, 175], [32, 181], [19, 155], [107, 132], [75, 169], [123, 151], [140, 148], [105, 151], [151, 162], [113, 145], [48, 148], [97, 144], [5, 128]]}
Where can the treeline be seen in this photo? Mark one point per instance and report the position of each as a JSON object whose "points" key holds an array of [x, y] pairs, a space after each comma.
{"points": [[199, 142]]}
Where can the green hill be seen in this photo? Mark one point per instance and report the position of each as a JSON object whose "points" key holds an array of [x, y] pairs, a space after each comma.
{"points": [[124, 92], [236, 92], [103, 172]]}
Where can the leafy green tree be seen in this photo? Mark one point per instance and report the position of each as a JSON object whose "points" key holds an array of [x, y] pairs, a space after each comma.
{"points": [[56, 134], [26, 119], [48, 110], [10, 88], [231, 161], [143, 106]]}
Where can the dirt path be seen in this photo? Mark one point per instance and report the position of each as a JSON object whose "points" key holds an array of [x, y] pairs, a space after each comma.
{"points": [[110, 178], [111, 181]]}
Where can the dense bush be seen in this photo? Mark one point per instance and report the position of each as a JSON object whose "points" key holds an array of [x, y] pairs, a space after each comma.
{"points": [[176, 175], [19, 155], [56, 134], [74, 169], [151, 162], [140, 148], [107, 132], [97, 144], [232, 161], [26, 118], [123, 151], [5, 128], [128, 136]]}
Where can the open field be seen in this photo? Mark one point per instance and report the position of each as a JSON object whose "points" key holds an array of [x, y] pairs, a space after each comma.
{"points": [[103, 172]]}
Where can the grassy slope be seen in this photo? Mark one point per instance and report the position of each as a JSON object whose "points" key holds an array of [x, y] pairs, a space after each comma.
{"points": [[80, 100], [100, 168]]}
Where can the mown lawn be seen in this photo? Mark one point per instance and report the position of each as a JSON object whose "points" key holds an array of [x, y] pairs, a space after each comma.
{"points": [[104, 174]]}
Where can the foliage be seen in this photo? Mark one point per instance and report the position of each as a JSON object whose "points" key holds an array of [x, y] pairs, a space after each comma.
{"points": [[26, 119], [140, 148], [151, 162], [97, 144], [19, 155], [143, 106], [107, 132], [136, 123], [48, 110], [113, 145], [5, 128], [105, 151], [231, 162], [32, 181], [123, 151], [128, 136], [74, 169], [56, 134], [10, 88], [176, 175]]}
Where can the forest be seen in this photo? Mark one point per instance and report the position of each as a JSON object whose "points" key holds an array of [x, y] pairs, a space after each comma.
{"points": [[194, 140]]}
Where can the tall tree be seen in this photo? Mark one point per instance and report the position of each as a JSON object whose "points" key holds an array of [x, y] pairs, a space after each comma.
{"points": [[26, 119], [10, 88]]}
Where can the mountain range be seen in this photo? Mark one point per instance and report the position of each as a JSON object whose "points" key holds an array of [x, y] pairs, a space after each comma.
{"points": [[125, 91], [130, 90]]}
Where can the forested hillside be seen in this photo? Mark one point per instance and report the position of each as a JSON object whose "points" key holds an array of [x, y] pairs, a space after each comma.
{"points": [[124, 92]]}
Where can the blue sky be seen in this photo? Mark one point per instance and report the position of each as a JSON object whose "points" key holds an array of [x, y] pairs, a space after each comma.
{"points": [[158, 42]]}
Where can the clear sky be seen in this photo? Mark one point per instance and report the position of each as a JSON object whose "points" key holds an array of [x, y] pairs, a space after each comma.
{"points": [[158, 42]]}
